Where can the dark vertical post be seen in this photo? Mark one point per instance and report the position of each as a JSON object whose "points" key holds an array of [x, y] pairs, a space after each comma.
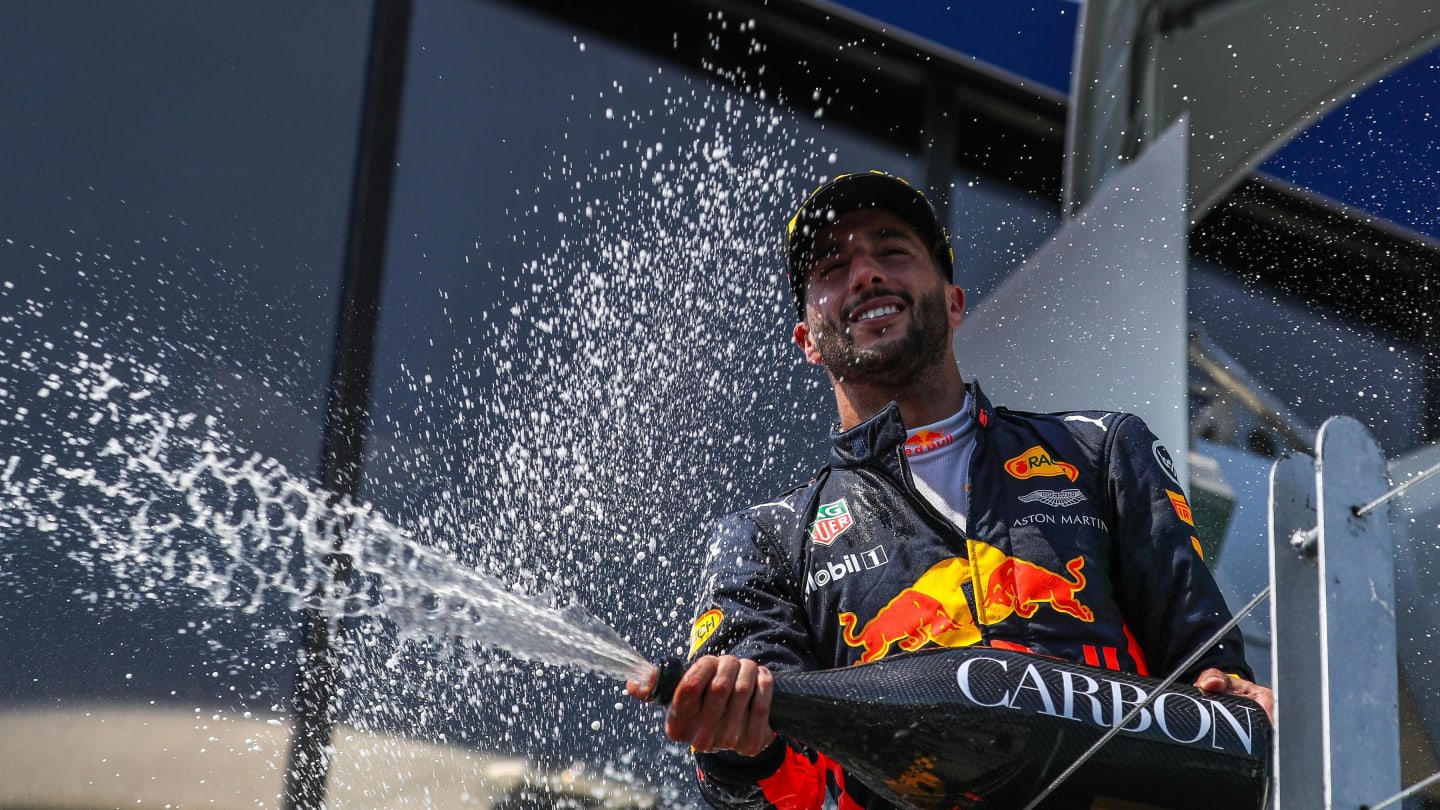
{"points": [[1429, 338], [348, 409], [940, 133]]}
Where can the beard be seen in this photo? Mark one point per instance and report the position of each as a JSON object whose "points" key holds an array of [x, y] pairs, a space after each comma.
{"points": [[893, 360]]}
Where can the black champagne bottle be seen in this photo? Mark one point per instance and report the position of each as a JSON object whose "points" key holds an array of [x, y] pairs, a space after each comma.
{"points": [[983, 729]]}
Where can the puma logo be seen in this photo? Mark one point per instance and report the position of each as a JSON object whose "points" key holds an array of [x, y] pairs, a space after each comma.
{"points": [[1100, 423]]}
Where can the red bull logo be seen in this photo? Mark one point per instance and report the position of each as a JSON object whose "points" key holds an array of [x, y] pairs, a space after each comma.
{"points": [[925, 441], [1037, 462], [1011, 585], [933, 610]]}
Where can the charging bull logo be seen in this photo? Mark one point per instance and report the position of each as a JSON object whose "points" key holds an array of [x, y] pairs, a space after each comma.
{"points": [[932, 610], [1037, 461], [1011, 585], [925, 441]]}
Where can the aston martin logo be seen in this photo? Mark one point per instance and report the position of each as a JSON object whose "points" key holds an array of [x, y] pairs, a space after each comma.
{"points": [[1049, 497]]}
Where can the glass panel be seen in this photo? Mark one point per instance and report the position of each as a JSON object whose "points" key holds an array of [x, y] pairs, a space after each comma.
{"points": [[170, 240], [1316, 363], [994, 227]]}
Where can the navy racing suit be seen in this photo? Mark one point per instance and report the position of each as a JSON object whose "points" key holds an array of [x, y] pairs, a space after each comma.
{"points": [[1080, 545]]}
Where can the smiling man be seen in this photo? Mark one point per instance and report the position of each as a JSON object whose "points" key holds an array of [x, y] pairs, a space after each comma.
{"points": [[939, 521], [887, 339]]}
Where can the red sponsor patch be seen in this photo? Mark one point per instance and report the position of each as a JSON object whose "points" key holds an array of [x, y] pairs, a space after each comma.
{"points": [[1182, 506]]}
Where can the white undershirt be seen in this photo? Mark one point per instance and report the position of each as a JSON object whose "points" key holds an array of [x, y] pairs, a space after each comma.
{"points": [[939, 458]]}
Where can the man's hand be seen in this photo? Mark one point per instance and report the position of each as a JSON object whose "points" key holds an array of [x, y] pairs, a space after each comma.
{"points": [[721, 702], [1216, 682]]}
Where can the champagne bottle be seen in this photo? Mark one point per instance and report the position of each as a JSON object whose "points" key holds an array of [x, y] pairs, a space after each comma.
{"points": [[981, 729]]}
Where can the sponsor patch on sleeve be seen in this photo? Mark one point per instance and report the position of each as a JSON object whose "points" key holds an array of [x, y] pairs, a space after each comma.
{"points": [[1195, 541], [831, 521], [1182, 506], [704, 628], [1166, 462]]}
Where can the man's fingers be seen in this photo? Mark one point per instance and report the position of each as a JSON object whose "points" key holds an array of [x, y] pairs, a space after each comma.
{"points": [[719, 693], [1259, 694], [722, 702], [687, 702], [641, 688], [700, 700], [758, 733], [730, 727], [1215, 682], [1212, 680]]}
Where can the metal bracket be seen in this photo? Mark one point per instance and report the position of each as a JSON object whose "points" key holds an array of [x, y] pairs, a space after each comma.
{"points": [[1332, 573]]}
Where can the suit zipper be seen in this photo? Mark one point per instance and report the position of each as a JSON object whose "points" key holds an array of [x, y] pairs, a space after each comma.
{"points": [[918, 500]]}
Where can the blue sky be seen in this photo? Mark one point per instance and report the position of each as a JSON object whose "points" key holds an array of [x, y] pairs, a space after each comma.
{"points": [[1378, 153]]}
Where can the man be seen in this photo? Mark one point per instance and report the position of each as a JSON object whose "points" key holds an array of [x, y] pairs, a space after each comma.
{"points": [[940, 519]]}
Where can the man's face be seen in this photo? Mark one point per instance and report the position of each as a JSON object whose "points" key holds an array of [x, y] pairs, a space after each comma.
{"points": [[877, 309]]}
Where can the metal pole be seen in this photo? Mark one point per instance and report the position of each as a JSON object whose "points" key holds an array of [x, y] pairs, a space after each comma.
{"points": [[1432, 779], [1396, 492], [347, 412]]}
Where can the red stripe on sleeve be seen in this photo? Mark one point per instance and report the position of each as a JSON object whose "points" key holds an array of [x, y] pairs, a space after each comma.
{"points": [[1137, 654], [798, 784]]}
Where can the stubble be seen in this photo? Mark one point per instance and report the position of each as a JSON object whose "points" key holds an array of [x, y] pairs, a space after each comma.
{"points": [[894, 362]]}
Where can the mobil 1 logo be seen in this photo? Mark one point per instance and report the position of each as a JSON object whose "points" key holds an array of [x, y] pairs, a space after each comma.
{"points": [[837, 568]]}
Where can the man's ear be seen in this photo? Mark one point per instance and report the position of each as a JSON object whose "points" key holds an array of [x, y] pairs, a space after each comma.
{"points": [[806, 342], [955, 305]]}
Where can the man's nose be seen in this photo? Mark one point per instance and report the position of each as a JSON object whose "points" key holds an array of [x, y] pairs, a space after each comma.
{"points": [[865, 271]]}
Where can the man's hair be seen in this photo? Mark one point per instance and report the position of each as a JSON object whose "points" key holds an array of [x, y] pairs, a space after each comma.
{"points": [[849, 192]]}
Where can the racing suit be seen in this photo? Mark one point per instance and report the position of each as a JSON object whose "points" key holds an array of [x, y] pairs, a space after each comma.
{"points": [[1080, 545]]}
